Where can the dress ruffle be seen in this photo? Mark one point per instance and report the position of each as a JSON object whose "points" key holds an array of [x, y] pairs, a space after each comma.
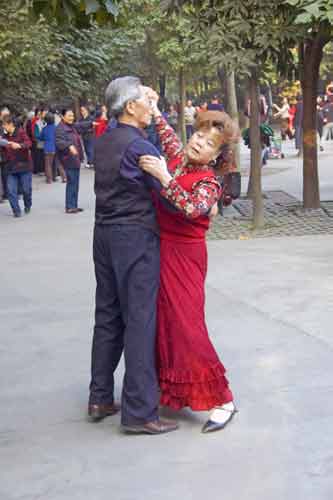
{"points": [[200, 391]]}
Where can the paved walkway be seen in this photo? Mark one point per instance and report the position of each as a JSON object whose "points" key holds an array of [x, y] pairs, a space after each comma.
{"points": [[269, 311], [283, 211]]}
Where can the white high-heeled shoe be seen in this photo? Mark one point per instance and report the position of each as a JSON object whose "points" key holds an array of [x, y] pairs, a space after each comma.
{"points": [[219, 418]]}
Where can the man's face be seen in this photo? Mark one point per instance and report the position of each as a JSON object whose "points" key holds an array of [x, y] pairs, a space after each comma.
{"points": [[140, 109]]}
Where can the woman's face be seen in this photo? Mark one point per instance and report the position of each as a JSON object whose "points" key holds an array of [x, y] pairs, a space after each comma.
{"points": [[69, 117], [84, 111], [204, 146]]}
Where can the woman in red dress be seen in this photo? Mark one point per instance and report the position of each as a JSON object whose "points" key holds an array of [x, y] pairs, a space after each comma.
{"points": [[189, 369]]}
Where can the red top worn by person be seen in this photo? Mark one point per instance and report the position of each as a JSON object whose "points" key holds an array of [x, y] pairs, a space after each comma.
{"points": [[100, 126], [101, 121], [190, 371]]}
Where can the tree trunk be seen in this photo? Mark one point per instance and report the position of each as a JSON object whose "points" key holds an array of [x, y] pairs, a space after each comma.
{"points": [[232, 109], [254, 190], [311, 54], [221, 75], [206, 85], [162, 82], [77, 107], [182, 98], [269, 102]]}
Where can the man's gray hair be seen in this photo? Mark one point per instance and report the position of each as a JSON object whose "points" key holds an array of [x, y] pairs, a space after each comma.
{"points": [[120, 91]]}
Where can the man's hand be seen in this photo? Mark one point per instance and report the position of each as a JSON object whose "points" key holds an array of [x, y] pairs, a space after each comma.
{"points": [[73, 150], [15, 145], [156, 167]]}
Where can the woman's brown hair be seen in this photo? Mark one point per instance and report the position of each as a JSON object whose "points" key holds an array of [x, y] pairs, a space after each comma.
{"points": [[227, 132], [227, 129]]}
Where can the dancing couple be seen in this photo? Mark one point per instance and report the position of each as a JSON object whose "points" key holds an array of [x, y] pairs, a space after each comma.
{"points": [[150, 257]]}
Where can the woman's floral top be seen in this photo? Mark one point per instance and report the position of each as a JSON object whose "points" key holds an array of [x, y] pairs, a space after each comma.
{"points": [[204, 193]]}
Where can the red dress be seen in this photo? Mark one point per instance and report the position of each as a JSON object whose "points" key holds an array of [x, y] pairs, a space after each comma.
{"points": [[189, 369]]}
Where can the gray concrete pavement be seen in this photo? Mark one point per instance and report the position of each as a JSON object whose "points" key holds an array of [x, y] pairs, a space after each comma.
{"points": [[269, 310], [286, 174]]}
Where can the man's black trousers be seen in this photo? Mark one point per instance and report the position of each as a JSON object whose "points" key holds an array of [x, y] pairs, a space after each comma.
{"points": [[127, 267]]}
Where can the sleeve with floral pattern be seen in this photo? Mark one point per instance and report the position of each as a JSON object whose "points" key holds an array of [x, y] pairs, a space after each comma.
{"points": [[199, 201], [169, 140]]}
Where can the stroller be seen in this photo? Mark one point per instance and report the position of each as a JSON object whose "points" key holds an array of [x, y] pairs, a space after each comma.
{"points": [[275, 150], [266, 136]]}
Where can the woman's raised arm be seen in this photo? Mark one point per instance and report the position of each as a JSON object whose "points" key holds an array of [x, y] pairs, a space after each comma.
{"points": [[171, 145], [170, 142]]}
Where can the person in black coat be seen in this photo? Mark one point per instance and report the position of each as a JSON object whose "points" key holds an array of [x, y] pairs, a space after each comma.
{"points": [[70, 153], [18, 164], [86, 129]]}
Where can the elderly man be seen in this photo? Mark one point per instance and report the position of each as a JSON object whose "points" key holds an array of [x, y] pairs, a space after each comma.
{"points": [[126, 257]]}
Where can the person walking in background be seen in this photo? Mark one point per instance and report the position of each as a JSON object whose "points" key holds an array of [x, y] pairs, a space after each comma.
{"points": [[263, 109], [4, 112], [101, 121], [215, 104], [189, 115], [202, 107], [86, 130], [69, 150], [283, 114], [173, 117], [299, 124], [329, 89], [328, 120], [28, 125], [3, 143], [292, 112], [18, 164], [39, 124], [48, 137], [320, 122]]}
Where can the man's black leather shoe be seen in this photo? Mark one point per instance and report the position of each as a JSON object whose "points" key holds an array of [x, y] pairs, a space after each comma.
{"points": [[98, 412], [160, 426]]}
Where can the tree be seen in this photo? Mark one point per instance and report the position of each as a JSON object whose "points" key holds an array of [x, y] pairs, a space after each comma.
{"points": [[246, 36], [314, 20], [22, 62], [46, 62]]}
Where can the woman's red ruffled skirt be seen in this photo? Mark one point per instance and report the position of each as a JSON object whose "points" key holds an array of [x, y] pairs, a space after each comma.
{"points": [[190, 372]]}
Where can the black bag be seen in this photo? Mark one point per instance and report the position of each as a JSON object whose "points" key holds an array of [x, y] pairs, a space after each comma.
{"points": [[232, 183]]}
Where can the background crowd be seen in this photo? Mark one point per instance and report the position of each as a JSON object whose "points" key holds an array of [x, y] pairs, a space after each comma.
{"points": [[55, 143]]}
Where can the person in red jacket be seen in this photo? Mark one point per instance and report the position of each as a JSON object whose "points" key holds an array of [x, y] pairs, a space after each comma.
{"points": [[100, 122], [18, 165]]}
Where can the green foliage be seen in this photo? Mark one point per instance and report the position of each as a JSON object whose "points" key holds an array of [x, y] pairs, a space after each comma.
{"points": [[309, 11], [326, 70], [42, 61], [26, 51], [244, 35], [78, 12]]}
